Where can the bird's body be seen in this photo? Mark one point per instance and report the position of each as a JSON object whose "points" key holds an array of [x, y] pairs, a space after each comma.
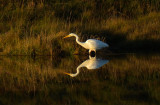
{"points": [[95, 44], [90, 44]]}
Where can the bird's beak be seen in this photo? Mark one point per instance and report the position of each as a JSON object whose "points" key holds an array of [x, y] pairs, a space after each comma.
{"points": [[67, 73], [66, 36]]}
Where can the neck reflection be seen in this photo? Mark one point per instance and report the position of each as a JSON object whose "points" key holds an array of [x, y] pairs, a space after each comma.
{"points": [[91, 64]]}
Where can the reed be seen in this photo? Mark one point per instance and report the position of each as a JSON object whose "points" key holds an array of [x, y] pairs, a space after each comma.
{"points": [[37, 27]]}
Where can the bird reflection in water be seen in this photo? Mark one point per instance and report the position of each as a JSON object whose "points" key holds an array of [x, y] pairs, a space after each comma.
{"points": [[91, 64]]}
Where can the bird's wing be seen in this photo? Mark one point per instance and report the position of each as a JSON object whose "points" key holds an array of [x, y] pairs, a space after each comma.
{"points": [[92, 43], [95, 44]]}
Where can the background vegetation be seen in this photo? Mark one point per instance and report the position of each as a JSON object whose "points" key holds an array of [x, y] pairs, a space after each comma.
{"points": [[36, 27]]}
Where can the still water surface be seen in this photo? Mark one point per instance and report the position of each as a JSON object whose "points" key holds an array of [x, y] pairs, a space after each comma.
{"points": [[126, 79]]}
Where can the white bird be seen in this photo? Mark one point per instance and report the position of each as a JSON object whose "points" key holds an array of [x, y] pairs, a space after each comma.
{"points": [[91, 44], [91, 64]]}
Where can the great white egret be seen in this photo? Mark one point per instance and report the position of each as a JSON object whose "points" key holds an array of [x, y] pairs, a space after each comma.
{"points": [[91, 44], [91, 64]]}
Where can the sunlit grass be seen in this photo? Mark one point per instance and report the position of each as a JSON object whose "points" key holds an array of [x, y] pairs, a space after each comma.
{"points": [[143, 28], [29, 27]]}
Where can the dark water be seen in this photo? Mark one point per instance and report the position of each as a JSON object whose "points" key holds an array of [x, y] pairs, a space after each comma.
{"points": [[127, 79]]}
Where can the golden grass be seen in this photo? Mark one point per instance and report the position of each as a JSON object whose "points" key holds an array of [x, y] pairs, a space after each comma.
{"points": [[143, 28], [42, 34]]}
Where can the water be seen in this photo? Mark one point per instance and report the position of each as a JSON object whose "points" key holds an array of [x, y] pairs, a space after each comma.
{"points": [[126, 79]]}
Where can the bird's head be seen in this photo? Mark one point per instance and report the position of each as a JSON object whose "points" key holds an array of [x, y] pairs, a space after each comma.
{"points": [[70, 35]]}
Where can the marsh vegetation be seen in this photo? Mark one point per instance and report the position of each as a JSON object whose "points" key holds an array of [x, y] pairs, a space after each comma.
{"points": [[36, 27]]}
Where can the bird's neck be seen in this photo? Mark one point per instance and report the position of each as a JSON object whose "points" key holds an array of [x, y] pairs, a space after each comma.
{"points": [[74, 75], [77, 70], [77, 40]]}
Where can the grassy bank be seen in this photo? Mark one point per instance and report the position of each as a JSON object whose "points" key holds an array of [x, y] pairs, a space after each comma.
{"points": [[38, 27]]}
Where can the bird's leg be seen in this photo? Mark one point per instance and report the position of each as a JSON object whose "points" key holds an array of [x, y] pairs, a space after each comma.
{"points": [[90, 51]]}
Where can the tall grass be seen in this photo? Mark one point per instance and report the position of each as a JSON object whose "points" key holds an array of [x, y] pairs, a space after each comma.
{"points": [[37, 27]]}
